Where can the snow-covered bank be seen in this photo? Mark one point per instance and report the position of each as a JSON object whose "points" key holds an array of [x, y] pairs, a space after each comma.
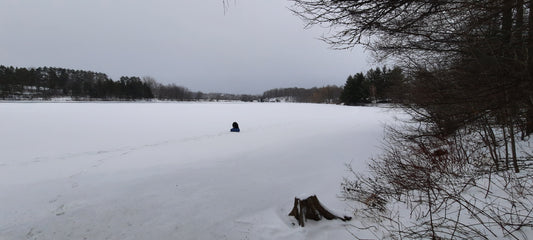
{"points": [[174, 171]]}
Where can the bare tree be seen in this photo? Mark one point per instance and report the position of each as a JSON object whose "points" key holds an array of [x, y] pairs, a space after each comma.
{"points": [[153, 84], [466, 58], [429, 187], [470, 97]]}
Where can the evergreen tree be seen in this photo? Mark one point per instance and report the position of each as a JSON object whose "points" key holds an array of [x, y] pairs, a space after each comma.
{"points": [[355, 90]]}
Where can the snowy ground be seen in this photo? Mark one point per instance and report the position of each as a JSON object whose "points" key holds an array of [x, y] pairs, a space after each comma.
{"points": [[174, 171]]}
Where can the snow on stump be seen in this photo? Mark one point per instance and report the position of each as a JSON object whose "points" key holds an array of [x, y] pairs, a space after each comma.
{"points": [[310, 208]]}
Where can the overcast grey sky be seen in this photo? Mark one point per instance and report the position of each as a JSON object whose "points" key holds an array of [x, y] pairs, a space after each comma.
{"points": [[255, 46]]}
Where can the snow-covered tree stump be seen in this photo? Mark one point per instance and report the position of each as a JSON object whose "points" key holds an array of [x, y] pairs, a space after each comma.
{"points": [[310, 208]]}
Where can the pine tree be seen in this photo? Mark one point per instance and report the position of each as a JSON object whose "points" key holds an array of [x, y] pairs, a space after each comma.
{"points": [[355, 90]]}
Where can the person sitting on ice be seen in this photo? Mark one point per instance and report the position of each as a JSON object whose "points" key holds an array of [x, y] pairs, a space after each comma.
{"points": [[235, 127]]}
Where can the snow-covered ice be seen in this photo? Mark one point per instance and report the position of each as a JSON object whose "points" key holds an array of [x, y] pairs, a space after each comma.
{"points": [[174, 171]]}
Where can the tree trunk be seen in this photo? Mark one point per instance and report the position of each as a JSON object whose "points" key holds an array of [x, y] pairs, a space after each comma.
{"points": [[530, 44], [507, 24], [513, 148], [529, 116], [310, 208], [506, 144]]}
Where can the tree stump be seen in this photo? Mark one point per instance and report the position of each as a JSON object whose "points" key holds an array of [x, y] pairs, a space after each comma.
{"points": [[310, 208]]}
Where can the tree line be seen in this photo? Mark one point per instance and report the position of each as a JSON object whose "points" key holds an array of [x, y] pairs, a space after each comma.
{"points": [[49, 82], [327, 94], [379, 85]]}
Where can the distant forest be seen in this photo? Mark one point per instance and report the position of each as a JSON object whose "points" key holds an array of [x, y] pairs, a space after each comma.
{"points": [[327, 94], [379, 85], [46, 83]]}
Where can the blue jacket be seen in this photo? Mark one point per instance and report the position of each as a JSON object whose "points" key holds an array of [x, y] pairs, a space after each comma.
{"points": [[235, 130]]}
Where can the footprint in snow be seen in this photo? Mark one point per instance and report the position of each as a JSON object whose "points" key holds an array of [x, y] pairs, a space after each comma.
{"points": [[60, 210]]}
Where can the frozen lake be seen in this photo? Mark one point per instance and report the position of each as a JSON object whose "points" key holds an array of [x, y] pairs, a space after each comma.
{"points": [[174, 171]]}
